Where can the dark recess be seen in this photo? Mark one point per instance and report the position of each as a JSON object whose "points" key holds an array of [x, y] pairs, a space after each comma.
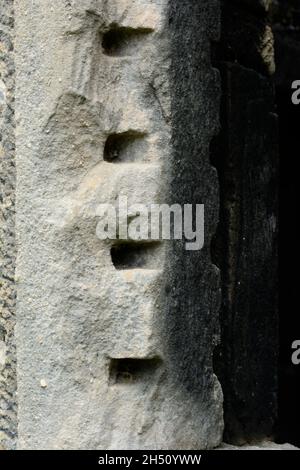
{"points": [[286, 26], [136, 255], [117, 41], [130, 370], [245, 247], [118, 145]]}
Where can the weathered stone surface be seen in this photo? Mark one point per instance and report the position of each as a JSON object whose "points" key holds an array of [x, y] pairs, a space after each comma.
{"points": [[192, 289], [7, 231], [114, 358]]}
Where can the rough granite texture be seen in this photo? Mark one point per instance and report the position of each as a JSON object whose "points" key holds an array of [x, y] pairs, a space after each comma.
{"points": [[112, 354], [8, 421]]}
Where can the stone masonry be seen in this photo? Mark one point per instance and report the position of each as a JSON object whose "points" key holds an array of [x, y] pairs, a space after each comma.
{"points": [[141, 344], [115, 339]]}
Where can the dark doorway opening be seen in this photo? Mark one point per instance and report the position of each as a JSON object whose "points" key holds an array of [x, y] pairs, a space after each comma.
{"points": [[259, 123], [286, 26], [245, 155], [289, 317]]}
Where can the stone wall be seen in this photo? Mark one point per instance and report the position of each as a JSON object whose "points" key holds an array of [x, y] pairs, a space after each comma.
{"points": [[7, 231]]}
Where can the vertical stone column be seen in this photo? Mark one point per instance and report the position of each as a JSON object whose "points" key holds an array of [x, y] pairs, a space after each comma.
{"points": [[7, 231], [115, 338]]}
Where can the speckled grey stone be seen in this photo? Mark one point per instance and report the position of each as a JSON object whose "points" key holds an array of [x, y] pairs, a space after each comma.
{"points": [[112, 358], [8, 420]]}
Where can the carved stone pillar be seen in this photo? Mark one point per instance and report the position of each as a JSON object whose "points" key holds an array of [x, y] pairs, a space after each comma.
{"points": [[115, 338]]}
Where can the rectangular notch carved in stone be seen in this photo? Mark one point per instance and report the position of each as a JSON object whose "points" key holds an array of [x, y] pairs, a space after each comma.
{"points": [[128, 371], [137, 255], [121, 41], [127, 146]]}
